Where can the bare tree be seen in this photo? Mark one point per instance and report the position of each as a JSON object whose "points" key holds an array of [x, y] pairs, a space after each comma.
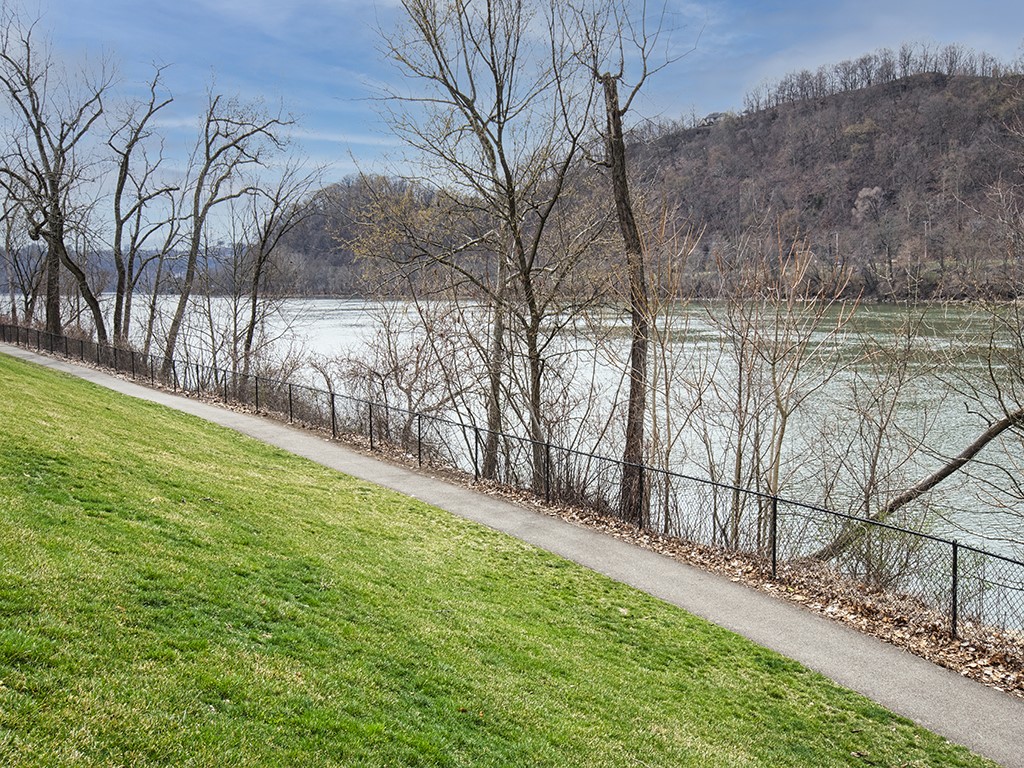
{"points": [[680, 374], [241, 306], [273, 212], [881, 434], [994, 401], [777, 327], [499, 128], [233, 136], [611, 34], [24, 266], [43, 165], [171, 239], [134, 195]]}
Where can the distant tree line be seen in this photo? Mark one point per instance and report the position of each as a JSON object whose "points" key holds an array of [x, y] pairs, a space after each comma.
{"points": [[883, 66], [913, 183]]}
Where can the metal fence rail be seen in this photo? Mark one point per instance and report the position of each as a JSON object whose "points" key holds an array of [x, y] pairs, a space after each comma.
{"points": [[972, 588]]}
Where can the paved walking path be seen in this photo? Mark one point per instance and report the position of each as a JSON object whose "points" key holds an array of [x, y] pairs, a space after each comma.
{"points": [[986, 721]]}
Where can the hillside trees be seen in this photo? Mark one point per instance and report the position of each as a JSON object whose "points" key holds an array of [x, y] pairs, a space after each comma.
{"points": [[880, 67], [324, 262], [933, 145]]}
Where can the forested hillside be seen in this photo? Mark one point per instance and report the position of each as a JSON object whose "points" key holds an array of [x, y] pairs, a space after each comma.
{"points": [[909, 188], [913, 185]]}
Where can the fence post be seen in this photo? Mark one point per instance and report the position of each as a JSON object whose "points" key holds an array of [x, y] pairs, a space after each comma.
{"points": [[476, 453], [775, 536], [955, 597], [152, 372], [66, 347], [645, 511], [257, 378], [370, 409], [419, 439], [81, 350], [133, 364], [290, 418], [334, 423], [547, 473]]}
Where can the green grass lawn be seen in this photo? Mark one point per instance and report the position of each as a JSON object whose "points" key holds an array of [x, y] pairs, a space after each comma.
{"points": [[172, 593]]}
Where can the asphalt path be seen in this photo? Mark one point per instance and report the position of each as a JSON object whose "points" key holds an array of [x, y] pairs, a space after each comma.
{"points": [[961, 710]]}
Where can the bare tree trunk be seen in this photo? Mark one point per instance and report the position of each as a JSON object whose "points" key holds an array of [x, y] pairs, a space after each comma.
{"points": [[495, 364], [633, 497], [53, 324], [252, 320], [154, 297], [179, 311], [537, 433], [854, 533], [86, 292], [126, 313], [9, 272]]}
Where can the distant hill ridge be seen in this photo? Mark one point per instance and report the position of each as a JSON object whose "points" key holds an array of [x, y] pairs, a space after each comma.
{"points": [[902, 186], [914, 184]]}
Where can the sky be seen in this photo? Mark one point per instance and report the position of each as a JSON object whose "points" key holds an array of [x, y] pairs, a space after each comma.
{"points": [[320, 59]]}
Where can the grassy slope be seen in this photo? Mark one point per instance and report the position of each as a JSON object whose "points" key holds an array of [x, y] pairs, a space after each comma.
{"points": [[174, 594]]}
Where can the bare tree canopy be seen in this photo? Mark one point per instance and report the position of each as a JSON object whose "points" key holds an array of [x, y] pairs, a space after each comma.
{"points": [[497, 118], [44, 165], [234, 136]]}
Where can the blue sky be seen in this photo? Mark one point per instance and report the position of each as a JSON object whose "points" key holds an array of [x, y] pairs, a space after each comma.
{"points": [[320, 57]]}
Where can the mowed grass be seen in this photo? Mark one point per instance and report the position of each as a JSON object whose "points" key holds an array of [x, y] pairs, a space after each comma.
{"points": [[174, 594]]}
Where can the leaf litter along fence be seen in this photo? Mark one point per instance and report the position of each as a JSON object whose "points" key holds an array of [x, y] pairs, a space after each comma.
{"points": [[972, 588]]}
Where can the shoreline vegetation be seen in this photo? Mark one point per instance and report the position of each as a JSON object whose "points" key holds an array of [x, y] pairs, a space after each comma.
{"points": [[233, 603]]}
